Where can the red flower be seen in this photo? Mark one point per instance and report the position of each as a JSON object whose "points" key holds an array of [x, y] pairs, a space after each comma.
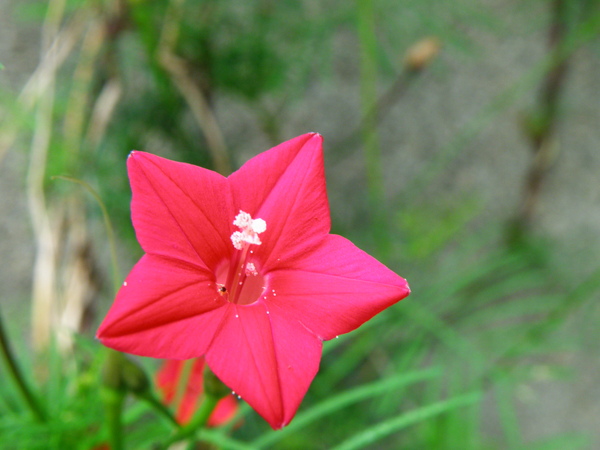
{"points": [[244, 271], [184, 386]]}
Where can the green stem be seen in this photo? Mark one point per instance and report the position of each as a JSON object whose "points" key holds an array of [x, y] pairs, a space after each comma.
{"points": [[22, 386], [201, 417], [368, 93], [198, 422], [372, 152], [107, 224], [113, 403], [182, 382], [160, 408]]}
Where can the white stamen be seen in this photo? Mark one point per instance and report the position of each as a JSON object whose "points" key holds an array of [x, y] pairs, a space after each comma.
{"points": [[249, 230], [259, 226], [251, 269], [237, 238], [243, 220]]}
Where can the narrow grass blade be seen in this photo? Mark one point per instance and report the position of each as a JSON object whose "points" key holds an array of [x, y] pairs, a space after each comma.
{"points": [[223, 441], [383, 429], [344, 399]]}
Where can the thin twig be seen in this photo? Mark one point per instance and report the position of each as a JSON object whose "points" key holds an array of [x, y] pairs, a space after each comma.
{"points": [[17, 376], [42, 78], [107, 224], [103, 109], [44, 295], [81, 86], [543, 123], [379, 110], [178, 71], [44, 287]]}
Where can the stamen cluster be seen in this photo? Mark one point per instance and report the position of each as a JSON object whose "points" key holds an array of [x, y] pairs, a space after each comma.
{"points": [[250, 229]]}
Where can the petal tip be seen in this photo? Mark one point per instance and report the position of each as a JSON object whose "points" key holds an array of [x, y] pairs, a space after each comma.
{"points": [[315, 135], [133, 153], [101, 334], [133, 158]]}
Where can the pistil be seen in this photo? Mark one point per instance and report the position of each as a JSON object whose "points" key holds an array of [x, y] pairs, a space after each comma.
{"points": [[240, 266], [237, 274]]}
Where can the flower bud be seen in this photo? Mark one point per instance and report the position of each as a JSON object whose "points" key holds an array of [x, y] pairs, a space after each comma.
{"points": [[420, 54], [121, 374], [110, 373], [134, 377]]}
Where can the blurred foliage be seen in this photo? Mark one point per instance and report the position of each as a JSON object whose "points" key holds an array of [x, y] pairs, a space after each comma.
{"points": [[433, 372]]}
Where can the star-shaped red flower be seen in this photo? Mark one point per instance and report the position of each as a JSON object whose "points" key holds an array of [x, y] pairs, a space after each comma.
{"points": [[244, 271]]}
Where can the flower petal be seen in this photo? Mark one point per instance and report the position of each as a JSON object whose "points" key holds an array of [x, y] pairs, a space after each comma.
{"points": [[193, 390], [165, 309], [335, 289], [224, 412], [168, 380], [268, 361], [180, 210], [285, 186]]}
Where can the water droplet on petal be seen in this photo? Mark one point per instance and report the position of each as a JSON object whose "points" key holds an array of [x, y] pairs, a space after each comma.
{"points": [[237, 316], [124, 283]]}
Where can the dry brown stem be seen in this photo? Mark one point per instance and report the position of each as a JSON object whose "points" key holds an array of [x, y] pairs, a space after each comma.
{"points": [[177, 69], [41, 80], [103, 109], [543, 122], [62, 283]]}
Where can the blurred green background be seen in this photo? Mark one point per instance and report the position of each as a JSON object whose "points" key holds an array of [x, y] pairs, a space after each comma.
{"points": [[462, 148]]}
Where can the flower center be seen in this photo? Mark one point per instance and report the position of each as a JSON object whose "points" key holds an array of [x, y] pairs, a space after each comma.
{"points": [[243, 283]]}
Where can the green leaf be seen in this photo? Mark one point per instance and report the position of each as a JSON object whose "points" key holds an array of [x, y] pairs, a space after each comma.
{"points": [[385, 428], [346, 398]]}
